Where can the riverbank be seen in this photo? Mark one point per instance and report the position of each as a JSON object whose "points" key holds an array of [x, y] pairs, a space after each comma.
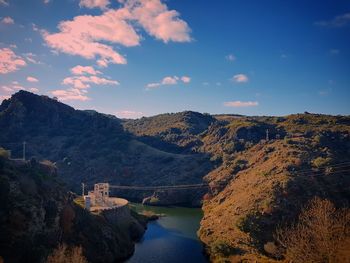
{"points": [[171, 238]]}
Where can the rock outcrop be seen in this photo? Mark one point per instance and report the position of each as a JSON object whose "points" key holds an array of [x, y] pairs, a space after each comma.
{"points": [[37, 213]]}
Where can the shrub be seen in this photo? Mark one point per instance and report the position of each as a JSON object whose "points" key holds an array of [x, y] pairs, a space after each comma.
{"points": [[321, 162], [64, 254], [4, 153], [222, 248], [321, 234]]}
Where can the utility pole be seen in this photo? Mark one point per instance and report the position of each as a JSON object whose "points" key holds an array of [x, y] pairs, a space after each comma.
{"points": [[24, 151], [267, 134], [83, 188]]}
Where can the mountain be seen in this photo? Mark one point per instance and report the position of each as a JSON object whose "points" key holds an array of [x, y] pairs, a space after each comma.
{"points": [[261, 170], [91, 147], [37, 213], [267, 169]]}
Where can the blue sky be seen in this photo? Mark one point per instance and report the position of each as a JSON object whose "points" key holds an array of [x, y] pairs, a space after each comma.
{"points": [[137, 58]]}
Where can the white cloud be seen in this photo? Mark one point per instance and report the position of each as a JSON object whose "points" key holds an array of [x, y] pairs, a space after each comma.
{"points": [[32, 58], [70, 94], [230, 57], [334, 51], [7, 20], [4, 2], [89, 36], [127, 114], [9, 61], [241, 103], [186, 79], [81, 70], [46, 2], [32, 79], [338, 21], [34, 90], [102, 4], [153, 85], [240, 78], [169, 80]]}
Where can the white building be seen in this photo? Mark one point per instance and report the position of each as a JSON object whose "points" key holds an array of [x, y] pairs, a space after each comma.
{"points": [[98, 197]]}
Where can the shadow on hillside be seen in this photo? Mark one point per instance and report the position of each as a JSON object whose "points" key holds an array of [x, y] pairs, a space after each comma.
{"points": [[289, 202]]}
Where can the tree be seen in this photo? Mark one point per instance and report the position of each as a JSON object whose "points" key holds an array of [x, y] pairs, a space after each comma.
{"points": [[321, 234]]}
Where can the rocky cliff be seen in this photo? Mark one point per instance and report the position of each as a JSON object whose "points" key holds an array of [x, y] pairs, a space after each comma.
{"points": [[38, 214]]}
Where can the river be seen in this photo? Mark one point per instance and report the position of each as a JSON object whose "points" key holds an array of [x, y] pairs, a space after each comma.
{"points": [[171, 238]]}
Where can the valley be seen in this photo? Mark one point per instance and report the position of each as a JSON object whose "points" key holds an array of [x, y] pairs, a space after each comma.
{"points": [[260, 171]]}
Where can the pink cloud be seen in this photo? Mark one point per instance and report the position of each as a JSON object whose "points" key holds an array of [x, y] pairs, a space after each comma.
{"points": [[83, 34], [81, 70], [32, 79], [7, 20], [4, 97], [12, 88], [240, 78], [9, 61], [70, 94], [129, 114], [102, 4], [170, 80], [186, 79], [83, 82], [241, 103], [86, 35], [158, 21]]}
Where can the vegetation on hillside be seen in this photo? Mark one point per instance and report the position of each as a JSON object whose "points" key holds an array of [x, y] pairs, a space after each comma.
{"points": [[321, 234], [261, 170], [37, 215]]}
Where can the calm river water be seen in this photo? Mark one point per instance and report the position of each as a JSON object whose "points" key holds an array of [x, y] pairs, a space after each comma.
{"points": [[171, 238]]}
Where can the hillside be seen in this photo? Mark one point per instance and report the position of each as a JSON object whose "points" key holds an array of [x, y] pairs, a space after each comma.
{"points": [[258, 184], [261, 170], [38, 214], [91, 147]]}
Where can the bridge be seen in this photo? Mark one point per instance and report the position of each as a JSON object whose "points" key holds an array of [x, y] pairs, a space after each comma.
{"points": [[162, 187]]}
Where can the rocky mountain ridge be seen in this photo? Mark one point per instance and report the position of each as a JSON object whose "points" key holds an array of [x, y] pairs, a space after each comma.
{"points": [[261, 170]]}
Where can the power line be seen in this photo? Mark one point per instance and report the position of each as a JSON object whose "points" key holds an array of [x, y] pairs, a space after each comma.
{"points": [[339, 165]]}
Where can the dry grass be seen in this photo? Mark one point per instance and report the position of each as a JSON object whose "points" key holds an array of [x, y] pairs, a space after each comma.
{"points": [[320, 235], [65, 254]]}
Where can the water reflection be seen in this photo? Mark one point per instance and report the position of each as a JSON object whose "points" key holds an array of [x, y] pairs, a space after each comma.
{"points": [[171, 238]]}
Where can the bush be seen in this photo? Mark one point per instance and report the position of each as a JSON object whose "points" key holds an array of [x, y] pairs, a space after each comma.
{"points": [[222, 248], [321, 234], [64, 254], [321, 162], [4, 153]]}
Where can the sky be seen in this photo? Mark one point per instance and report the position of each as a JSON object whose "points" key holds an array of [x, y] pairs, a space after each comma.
{"points": [[134, 58]]}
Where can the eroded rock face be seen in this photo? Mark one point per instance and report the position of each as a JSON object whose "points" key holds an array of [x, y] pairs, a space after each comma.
{"points": [[37, 213]]}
